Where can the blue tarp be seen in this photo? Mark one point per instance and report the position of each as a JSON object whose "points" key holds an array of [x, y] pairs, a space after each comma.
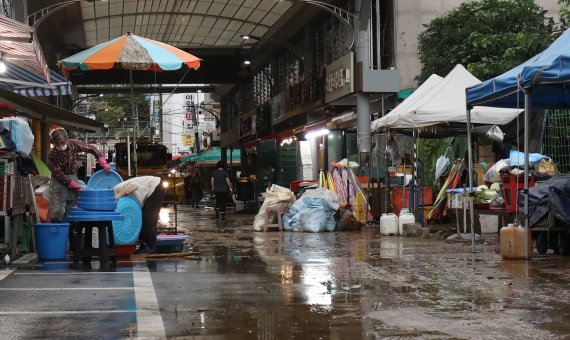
{"points": [[546, 73]]}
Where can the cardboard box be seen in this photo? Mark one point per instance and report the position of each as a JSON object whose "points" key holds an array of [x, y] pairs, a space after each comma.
{"points": [[487, 159], [485, 150]]}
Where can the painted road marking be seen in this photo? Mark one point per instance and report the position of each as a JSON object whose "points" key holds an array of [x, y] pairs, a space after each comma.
{"points": [[72, 273], [49, 312], [66, 288], [149, 320], [26, 258], [5, 273]]}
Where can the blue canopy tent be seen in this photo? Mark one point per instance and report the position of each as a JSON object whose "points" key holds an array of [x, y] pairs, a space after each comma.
{"points": [[540, 81]]}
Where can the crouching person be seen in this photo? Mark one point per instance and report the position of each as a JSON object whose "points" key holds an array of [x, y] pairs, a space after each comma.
{"points": [[148, 192]]}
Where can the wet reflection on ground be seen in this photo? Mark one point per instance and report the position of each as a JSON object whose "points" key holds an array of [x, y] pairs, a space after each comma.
{"points": [[361, 285], [235, 283]]}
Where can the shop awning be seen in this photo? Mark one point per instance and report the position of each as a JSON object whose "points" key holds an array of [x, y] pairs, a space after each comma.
{"points": [[48, 113], [212, 156], [23, 82], [19, 44]]}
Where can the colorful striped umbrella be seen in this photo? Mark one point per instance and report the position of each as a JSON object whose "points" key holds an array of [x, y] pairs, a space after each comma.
{"points": [[131, 52]]}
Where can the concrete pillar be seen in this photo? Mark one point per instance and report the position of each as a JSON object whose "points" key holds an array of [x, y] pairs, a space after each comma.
{"points": [[362, 55]]}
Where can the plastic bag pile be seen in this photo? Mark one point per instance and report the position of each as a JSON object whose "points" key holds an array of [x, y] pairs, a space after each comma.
{"points": [[313, 212]]}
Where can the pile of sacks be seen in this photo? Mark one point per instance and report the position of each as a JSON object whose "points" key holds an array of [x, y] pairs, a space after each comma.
{"points": [[313, 212]]}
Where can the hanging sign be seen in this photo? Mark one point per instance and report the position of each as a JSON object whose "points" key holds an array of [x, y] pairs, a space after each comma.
{"points": [[188, 140]]}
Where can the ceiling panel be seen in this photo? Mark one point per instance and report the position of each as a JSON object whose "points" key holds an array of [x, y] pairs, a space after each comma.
{"points": [[185, 22], [216, 8], [202, 7]]}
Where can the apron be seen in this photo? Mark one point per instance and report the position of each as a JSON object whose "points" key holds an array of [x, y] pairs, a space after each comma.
{"points": [[61, 199]]}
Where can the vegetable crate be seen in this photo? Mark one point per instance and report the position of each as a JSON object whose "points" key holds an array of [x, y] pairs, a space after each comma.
{"points": [[511, 187]]}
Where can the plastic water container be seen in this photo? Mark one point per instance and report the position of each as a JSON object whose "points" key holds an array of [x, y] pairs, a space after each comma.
{"points": [[51, 240], [405, 218], [512, 242], [389, 224]]}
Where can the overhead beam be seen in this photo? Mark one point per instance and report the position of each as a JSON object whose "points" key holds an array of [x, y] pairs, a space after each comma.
{"points": [[98, 89]]}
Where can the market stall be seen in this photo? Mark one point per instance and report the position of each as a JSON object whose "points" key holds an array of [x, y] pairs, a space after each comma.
{"points": [[537, 83], [440, 103]]}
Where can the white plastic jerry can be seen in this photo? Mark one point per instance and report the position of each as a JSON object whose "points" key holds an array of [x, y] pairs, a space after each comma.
{"points": [[389, 224], [405, 218]]}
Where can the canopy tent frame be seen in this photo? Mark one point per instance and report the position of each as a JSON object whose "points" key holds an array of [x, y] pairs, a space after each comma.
{"points": [[537, 78]]}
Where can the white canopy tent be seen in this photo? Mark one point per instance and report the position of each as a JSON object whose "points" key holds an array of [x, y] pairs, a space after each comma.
{"points": [[442, 101], [392, 118]]}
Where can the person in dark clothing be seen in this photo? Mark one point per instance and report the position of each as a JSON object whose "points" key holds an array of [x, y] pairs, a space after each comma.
{"points": [[196, 188], [222, 188]]}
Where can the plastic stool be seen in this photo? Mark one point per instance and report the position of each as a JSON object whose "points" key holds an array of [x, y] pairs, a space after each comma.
{"points": [[279, 224], [82, 247]]}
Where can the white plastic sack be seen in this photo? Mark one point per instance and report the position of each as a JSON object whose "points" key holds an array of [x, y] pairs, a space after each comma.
{"points": [[314, 212], [21, 133], [275, 197], [330, 196], [493, 175], [313, 220]]}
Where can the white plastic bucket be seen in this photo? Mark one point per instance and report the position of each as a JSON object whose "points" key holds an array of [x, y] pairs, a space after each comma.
{"points": [[489, 224]]}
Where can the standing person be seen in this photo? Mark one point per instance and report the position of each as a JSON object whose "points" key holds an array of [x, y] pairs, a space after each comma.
{"points": [[196, 187], [62, 161], [150, 194], [222, 187]]}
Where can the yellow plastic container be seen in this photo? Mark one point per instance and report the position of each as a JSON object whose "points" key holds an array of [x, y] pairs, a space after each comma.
{"points": [[512, 242]]}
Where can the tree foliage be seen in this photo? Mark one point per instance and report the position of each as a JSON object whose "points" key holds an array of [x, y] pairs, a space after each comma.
{"points": [[488, 37], [117, 111]]}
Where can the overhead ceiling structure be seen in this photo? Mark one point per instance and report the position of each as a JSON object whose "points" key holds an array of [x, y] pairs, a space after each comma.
{"points": [[181, 23], [209, 29]]}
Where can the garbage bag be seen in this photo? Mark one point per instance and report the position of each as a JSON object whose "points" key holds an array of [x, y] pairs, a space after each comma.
{"points": [[20, 132], [493, 175], [313, 220], [314, 212]]}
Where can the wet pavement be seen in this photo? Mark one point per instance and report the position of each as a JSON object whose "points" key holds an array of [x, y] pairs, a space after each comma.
{"points": [[241, 284]]}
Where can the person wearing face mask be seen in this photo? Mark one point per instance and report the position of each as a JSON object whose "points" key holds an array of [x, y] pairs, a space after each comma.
{"points": [[62, 161]]}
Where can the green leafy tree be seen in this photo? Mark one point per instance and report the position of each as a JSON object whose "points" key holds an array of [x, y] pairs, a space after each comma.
{"points": [[564, 13], [117, 112], [488, 37]]}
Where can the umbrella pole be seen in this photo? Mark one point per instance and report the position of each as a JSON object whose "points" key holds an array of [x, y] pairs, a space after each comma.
{"points": [[136, 118], [471, 193]]}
